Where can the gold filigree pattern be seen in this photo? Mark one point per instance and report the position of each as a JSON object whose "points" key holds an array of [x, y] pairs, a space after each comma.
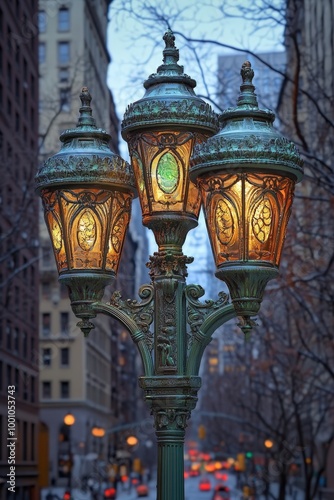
{"points": [[224, 222], [262, 219], [86, 231]]}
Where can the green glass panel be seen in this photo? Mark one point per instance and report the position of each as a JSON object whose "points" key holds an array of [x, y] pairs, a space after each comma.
{"points": [[167, 173]]}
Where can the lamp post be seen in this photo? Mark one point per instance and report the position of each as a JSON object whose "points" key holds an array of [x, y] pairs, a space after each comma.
{"points": [[244, 176], [268, 444], [69, 420]]}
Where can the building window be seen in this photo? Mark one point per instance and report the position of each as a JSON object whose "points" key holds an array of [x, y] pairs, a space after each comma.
{"points": [[16, 339], [17, 381], [63, 19], [32, 442], [64, 321], [64, 75], [25, 386], [63, 52], [46, 389], [64, 98], [46, 356], [46, 254], [41, 52], [25, 441], [64, 356], [46, 290], [42, 21], [25, 344], [46, 324], [32, 389], [8, 335], [64, 389], [9, 375]]}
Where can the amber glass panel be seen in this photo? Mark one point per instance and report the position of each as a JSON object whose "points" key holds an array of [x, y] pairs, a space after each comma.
{"points": [[247, 215], [161, 163], [92, 223]]}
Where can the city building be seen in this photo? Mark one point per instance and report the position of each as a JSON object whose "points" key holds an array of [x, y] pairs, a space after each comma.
{"points": [[18, 249], [94, 378], [307, 104]]}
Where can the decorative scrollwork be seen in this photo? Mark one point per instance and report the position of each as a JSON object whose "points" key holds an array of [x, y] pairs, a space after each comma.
{"points": [[197, 311], [141, 312], [171, 419], [168, 264]]}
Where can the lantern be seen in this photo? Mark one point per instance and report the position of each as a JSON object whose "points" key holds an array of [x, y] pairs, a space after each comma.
{"points": [[162, 129], [247, 174], [86, 191]]}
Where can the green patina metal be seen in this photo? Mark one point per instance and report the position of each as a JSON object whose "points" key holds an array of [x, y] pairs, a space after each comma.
{"points": [[85, 157], [169, 99], [170, 325], [247, 140], [246, 143]]}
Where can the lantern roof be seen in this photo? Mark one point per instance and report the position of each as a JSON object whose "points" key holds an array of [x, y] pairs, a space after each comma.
{"points": [[85, 157], [169, 99], [247, 139]]}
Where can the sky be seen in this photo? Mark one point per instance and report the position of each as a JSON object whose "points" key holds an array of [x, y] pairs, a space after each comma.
{"points": [[136, 46]]}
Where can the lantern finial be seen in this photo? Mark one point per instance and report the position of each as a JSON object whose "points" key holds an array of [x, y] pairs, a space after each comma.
{"points": [[85, 118], [170, 53], [247, 95]]}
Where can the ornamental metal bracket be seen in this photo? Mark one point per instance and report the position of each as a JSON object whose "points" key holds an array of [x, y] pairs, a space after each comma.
{"points": [[136, 316], [203, 318]]}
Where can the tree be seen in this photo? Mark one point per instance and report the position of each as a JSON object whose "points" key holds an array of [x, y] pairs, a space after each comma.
{"points": [[287, 390]]}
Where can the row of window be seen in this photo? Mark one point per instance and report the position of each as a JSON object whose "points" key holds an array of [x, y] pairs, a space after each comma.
{"points": [[25, 385], [63, 23], [63, 52], [49, 355], [18, 341], [64, 389]]}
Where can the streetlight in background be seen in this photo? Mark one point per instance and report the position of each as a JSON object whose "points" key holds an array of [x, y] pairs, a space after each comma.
{"points": [[244, 176], [69, 420], [268, 443]]}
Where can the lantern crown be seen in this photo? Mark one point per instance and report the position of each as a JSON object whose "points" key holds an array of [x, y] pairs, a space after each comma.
{"points": [[169, 99], [247, 138], [85, 157]]}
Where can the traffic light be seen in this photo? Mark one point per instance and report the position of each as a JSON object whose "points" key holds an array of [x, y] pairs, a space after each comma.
{"points": [[249, 454], [201, 432], [241, 462]]}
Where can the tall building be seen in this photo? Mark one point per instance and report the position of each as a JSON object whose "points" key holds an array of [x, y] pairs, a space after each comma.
{"points": [[92, 378], [18, 250], [307, 103]]}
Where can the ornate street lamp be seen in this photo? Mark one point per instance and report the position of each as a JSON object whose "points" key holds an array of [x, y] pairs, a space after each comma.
{"points": [[244, 175]]}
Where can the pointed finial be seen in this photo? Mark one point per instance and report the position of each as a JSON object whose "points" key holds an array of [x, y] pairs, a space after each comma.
{"points": [[169, 39], [170, 53], [85, 111], [247, 95]]}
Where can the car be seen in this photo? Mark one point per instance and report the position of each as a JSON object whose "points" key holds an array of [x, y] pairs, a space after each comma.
{"points": [[142, 490], [221, 492], [204, 484], [194, 473], [110, 493]]}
